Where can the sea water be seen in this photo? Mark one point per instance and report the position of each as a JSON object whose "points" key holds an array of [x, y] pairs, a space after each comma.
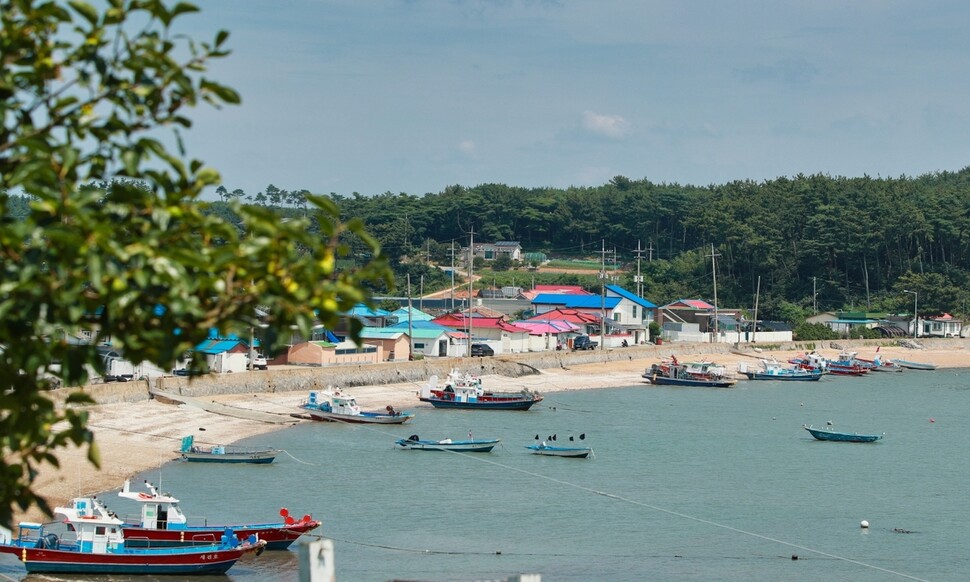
{"points": [[685, 484]]}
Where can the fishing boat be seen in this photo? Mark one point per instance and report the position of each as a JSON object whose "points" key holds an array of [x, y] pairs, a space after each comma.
{"points": [[827, 434], [909, 365], [414, 442], [772, 370], [94, 543], [223, 453], [556, 451], [846, 364], [467, 392], [673, 373], [335, 406], [161, 523], [810, 361], [877, 364]]}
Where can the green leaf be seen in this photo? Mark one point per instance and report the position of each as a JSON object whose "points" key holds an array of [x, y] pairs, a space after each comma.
{"points": [[85, 10]]}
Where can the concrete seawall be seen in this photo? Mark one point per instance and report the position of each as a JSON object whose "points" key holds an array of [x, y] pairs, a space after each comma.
{"points": [[304, 379]]}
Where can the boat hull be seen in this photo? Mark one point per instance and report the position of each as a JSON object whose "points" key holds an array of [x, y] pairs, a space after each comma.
{"points": [[842, 437], [666, 381], [807, 377], [278, 536], [914, 365], [252, 458], [565, 452], [174, 561], [362, 418], [482, 446], [482, 404]]}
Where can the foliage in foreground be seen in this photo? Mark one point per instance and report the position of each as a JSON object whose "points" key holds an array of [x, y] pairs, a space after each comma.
{"points": [[115, 242]]}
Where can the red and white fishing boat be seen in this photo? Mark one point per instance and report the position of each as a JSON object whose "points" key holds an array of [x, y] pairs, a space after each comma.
{"points": [[162, 523]]}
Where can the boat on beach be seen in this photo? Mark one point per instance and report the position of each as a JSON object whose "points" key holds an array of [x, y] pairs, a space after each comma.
{"points": [[335, 406], [910, 365], [467, 392], [161, 523], [674, 373], [556, 451], [827, 434], [773, 370], [415, 443], [94, 543], [223, 453]]}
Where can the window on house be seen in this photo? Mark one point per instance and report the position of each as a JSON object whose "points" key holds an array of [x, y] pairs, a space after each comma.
{"points": [[634, 312], [418, 346]]}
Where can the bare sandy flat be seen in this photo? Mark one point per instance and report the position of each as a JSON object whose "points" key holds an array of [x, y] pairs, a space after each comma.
{"points": [[135, 437]]}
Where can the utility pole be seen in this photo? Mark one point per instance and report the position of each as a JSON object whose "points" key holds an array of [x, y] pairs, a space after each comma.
{"points": [[814, 296], [757, 294], [717, 334], [651, 251], [410, 331], [603, 295], [452, 276], [638, 279], [471, 286], [421, 294]]}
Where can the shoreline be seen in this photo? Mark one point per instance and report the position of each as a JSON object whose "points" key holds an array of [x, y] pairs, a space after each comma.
{"points": [[135, 437]]}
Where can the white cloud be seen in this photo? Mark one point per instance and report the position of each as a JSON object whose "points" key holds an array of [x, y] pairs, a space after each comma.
{"points": [[467, 147], [608, 125]]}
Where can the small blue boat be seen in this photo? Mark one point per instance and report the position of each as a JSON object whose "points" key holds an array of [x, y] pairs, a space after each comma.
{"points": [[463, 446], [554, 451], [826, 434], [224, 453]]}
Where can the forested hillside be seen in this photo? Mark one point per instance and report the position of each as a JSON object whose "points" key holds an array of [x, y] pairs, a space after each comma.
{"points": [[815, 242]]}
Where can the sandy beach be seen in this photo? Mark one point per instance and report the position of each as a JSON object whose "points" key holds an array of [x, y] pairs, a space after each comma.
{"points": [[135, 437]]}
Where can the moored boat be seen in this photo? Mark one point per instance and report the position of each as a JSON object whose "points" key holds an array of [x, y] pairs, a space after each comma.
{"points": [[95, 544], [910, 365], [826, 434], [467, 392], [555, 451], [673, 373], [223, 453], [335, 406], [772, 370], [161, 523], [413, 442]]}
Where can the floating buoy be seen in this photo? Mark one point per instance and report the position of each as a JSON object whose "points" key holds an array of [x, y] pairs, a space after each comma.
{"points": [[794, 556], [864, 524], [932, 420]]}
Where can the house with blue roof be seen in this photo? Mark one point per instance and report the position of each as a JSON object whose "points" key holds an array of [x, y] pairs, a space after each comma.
{"points": [[225, 353], [430, 339], [627, 316]]}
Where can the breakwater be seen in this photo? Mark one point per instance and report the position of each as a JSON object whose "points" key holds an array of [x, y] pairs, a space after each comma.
{"points": [[303, 379]]}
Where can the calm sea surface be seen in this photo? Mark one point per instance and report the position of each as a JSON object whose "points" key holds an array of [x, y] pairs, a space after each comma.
{"points": [[686, 484]]}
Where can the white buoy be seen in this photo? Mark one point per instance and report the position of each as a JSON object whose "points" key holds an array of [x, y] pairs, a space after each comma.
{"points": [[864, 524]]}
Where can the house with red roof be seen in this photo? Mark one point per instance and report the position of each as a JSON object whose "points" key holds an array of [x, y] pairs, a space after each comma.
{"points": [[941, 326], [503, 336]]}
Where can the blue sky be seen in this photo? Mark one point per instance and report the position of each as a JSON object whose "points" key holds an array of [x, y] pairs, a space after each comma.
{"points": [[411, 96]]}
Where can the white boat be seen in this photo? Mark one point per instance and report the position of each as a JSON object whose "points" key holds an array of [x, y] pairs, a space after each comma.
{"points": [[335, 406]]}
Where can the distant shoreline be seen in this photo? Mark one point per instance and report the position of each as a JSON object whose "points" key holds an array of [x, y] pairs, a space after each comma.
{"points": [[137, 436]]}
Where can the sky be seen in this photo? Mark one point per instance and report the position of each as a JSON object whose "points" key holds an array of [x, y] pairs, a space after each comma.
{"points": [[412, 96]]}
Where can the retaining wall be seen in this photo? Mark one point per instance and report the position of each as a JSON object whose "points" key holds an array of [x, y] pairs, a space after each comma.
{"points": [[304, 379]]}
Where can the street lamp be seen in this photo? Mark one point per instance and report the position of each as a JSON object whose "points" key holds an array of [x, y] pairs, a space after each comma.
{"points": [[915, 312]]}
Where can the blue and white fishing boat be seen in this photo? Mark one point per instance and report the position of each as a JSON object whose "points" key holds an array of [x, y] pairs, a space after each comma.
{"points": [[94, 543], [827, 434], [772, 370], [336, 406]]}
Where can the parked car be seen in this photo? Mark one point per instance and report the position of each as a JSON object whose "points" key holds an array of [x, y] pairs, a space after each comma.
{"points": [[479, 350], [259, 362], [584, 343]]}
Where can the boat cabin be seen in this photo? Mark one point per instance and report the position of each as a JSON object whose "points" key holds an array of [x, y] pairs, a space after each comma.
{"points": [[334, 401], [97, 530], [158, 510]]}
